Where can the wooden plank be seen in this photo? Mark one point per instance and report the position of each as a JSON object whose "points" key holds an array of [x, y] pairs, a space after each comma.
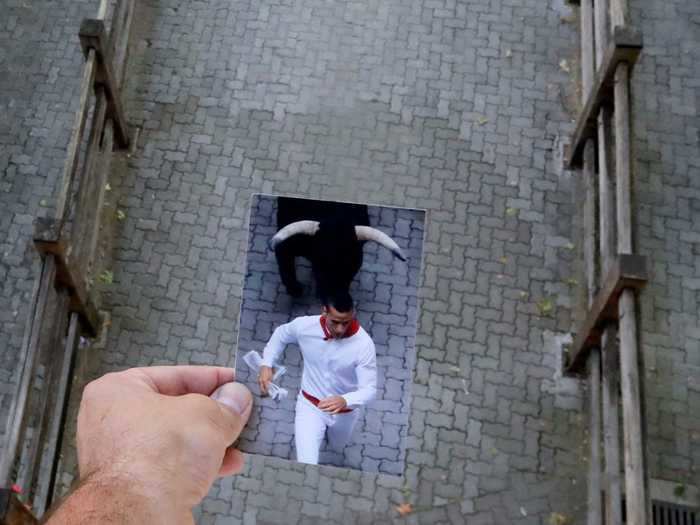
{"points": [[54, 439], [13, 511], [595, 501], [623, 171], [624, 47], [606, 204], [102, 10], [91, 184], [589, 221], [628, 271], [587, 50], [611, 425], [66, 273], [18, 410], [72, 156], [630, 381], [601, 29], [101, 175], [619, 13], [635, 483], [93, 36], [119, 35], [52, 333]]}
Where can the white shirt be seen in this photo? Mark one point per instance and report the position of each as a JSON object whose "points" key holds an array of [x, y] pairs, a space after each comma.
{"points": [[344, 367]]}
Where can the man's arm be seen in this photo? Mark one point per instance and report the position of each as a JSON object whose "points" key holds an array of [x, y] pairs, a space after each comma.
{"points": [[113, 499], [282, 336], [138, 462], [366, 371]]}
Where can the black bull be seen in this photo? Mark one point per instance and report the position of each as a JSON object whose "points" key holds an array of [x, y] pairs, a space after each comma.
{"points": [[335, 252]]}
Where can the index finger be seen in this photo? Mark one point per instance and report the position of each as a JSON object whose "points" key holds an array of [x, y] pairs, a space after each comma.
{"points": [[179, 380]]}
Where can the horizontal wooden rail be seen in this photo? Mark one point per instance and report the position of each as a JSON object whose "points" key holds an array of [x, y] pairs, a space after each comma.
{"points": [[628, 271], [624, 46]]}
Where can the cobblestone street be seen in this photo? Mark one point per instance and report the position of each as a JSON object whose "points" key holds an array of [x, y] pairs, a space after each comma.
{"points": [[459, 108]]}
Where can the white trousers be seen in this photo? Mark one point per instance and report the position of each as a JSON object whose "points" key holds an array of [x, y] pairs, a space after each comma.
{"points": [[311, 424]]}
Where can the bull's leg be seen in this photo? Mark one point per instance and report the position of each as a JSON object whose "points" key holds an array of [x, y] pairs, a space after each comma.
{"points": [[288, 271]]}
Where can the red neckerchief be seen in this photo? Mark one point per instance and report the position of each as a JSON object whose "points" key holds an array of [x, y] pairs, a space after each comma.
{"points": [[352, 329]]}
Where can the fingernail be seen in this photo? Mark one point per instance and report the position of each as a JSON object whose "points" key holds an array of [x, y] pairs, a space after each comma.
{"points": [[235, 396]]}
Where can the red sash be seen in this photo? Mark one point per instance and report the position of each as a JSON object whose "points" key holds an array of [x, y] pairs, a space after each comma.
{"points": [[316, 401]]}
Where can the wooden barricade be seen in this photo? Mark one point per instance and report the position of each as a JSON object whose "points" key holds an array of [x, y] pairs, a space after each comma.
{"points": [[606, 344], [62, 308]]}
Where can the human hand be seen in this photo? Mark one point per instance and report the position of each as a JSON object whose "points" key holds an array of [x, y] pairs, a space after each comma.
{"points": [[332, 404], [264, 379], [153, 433]]}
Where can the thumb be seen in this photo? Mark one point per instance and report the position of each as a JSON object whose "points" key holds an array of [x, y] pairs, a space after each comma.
{"points": [[235, 398]]}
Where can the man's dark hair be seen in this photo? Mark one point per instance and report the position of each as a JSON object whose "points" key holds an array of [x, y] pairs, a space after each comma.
{"points": [[338, 299]]}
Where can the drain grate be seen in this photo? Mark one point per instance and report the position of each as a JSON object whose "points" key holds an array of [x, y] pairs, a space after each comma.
{"points": [[669, 514]]}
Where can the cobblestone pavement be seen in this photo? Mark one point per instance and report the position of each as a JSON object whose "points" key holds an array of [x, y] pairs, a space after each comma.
{"points": [[40, 61], [386, 292], [456, 107]]}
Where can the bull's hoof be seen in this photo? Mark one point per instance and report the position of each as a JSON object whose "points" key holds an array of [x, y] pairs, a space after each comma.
{"points": [[295, 290]]}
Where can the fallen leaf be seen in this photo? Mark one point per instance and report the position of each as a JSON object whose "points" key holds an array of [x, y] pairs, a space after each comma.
{"points": [[564, 65], [509, 53], [523, 294], [455, 368], [569, 246], [545, 306], [121, 215], [523, 511], [511, 211], [503, 260], [494, 450], [571, 281], [404, 509], [106, 277], [42, 203], [108, 187], [481, 121], [464, 384], [557, 518]]}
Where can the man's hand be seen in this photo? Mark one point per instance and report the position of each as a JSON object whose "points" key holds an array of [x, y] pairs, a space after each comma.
{"points": [[151, 442], [264, 379], [333, 404]]}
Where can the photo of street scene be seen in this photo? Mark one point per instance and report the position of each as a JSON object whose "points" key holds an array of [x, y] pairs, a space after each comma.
{"points": [[384, 292]]}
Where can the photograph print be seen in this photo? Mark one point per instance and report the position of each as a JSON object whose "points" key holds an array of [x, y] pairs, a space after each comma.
{"points": [[327, 331]]}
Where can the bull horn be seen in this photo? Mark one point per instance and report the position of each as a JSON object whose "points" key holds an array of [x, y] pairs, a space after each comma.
{"points": [[367, 233], [294, 228]]}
